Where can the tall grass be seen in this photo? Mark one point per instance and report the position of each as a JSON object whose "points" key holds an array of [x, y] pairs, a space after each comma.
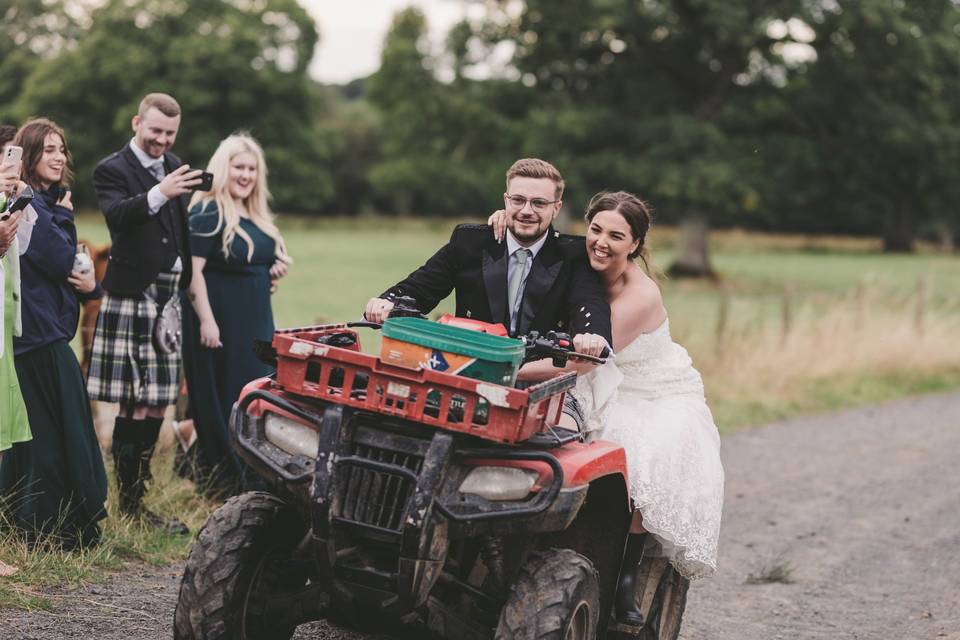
{"points": [[832, 349]]}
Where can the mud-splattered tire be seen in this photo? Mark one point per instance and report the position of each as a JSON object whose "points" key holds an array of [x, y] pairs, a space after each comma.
{"points": [[555, 597], [227, 571], [666, 613]]}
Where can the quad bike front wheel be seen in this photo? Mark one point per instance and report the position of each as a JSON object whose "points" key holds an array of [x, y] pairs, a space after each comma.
{"points": [[238, 565], [555, 597]]}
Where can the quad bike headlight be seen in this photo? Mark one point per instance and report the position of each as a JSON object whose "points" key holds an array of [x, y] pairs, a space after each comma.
{"points": [[499, 483], [291, 436]]}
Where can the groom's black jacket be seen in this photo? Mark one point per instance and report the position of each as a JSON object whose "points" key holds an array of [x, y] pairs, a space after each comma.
{"points": [[562, 291]]}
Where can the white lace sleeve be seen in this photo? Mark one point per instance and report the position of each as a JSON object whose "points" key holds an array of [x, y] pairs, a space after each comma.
{"points": [[594, 390]]}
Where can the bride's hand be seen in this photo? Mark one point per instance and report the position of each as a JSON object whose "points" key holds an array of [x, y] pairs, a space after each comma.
{"points": [[589, 344], [498, 220]]}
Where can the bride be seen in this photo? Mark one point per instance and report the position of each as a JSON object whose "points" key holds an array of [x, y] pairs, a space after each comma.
{"points": [[650, 400]]}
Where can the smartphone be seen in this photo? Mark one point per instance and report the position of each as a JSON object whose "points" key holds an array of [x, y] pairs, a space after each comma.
{"points": [[23, 198], [82, 263], [206, 182], [12, 155]]}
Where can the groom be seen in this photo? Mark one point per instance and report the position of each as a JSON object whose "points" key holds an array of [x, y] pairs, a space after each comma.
{"points": [[536, 280]]}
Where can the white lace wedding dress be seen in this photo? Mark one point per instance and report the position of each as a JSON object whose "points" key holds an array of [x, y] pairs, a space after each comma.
{"points": [[649, 399]]}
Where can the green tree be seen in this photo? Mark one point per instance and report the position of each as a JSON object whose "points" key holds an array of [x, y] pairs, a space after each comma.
{"points": [[440, 140], [32, 31], [883, 104], [230, 65], [651, 97], [350, 129]]}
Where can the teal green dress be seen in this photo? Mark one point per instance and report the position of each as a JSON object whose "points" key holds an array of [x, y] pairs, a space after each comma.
{"points": [[13, 414], [238, 288]]}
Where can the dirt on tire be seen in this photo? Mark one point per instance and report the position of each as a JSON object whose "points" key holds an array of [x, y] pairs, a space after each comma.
{"points": [[840, 526], [546, 595], [223, 565]]}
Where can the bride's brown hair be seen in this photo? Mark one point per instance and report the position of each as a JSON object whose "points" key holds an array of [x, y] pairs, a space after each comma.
{"points": [[635, 211]]}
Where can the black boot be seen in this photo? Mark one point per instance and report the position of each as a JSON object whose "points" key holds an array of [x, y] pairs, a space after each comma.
{"points": [[628, 601], [133, 444]]}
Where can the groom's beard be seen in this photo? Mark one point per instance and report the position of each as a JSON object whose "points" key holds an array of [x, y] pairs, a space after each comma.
{"points": [[528, 228]]}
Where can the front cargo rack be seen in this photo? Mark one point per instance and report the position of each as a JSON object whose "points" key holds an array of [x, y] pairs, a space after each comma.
{"points": [[309, 365]]}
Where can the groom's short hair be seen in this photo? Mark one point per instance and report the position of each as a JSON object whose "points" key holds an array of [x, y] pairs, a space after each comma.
{"points": [[535, 168]]}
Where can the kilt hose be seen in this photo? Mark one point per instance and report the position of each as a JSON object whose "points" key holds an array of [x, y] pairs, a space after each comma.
{"points": [[125, 365]]}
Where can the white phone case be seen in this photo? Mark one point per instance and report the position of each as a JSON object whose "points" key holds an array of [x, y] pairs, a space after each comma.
{"points": [[12, 155]]}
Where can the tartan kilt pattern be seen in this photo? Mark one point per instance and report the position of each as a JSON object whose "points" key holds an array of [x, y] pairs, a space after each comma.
{"points": [[572, 408], [125, 366]]}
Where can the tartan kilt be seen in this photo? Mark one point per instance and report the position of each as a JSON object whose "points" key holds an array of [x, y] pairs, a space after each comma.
{"points": [[125, 365], [572, 408]]}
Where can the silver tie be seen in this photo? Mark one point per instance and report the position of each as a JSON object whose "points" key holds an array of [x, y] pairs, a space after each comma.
{"points": [[516, 279]]}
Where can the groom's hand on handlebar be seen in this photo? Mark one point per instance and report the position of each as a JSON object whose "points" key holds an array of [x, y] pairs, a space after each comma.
{"points": [[590, 344], [377, 310]]}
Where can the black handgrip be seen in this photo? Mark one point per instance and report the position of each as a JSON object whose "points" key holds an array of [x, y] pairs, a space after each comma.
{"points": [[405, 307], [558, 347]]}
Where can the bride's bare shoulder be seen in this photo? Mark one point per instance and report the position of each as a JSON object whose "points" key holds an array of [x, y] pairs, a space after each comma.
{"points": [[640, 304]]}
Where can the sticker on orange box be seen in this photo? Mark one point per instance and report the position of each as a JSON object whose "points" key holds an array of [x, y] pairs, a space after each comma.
{"points": [[414, 356]]}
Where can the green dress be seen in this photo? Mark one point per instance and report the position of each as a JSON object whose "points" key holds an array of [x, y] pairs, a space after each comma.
{"points": [[238, 288], [13, 414]]}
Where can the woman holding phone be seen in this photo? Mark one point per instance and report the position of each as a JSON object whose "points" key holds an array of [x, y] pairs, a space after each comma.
{"points": [[56, 484], [13, 415], [237, 252], [14, 427]]}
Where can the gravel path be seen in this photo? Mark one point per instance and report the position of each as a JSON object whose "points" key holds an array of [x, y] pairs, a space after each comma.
{"points": [[860, 505]]}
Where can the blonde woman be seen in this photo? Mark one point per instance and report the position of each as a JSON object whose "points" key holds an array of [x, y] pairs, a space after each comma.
{"points": [[237, 252]]}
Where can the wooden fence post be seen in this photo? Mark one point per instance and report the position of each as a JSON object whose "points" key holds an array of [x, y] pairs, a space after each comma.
{"points": [[860, 306], [723, 313], [920, 315], [789, 293]]}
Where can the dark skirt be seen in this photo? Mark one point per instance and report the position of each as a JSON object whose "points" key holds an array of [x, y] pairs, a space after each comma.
{"points": [[240, 300], [55, 486]]}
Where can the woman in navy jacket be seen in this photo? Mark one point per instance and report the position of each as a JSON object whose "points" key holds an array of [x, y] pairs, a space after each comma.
{"points": [[55, 484]]}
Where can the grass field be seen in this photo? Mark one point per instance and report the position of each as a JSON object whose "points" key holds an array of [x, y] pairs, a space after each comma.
{"points": [[794, 325], [790, 318]]}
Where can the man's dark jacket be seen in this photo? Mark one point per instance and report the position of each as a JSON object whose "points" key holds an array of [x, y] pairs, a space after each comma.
{"points": [[143, 245], [562, 292]]}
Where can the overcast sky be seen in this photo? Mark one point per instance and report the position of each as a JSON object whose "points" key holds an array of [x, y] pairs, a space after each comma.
{"points": [[351, 33]]}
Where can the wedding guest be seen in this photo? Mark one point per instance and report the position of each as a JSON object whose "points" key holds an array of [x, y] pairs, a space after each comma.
{"points": [[14, 427], [142, 191], [237, 250], [56, 484]]}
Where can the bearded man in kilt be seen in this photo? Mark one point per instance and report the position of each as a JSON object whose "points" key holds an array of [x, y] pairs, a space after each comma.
{"points": [[141, 191]]}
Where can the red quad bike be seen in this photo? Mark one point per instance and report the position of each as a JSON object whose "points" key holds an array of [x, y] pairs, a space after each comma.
{"points": [[420, 498]]}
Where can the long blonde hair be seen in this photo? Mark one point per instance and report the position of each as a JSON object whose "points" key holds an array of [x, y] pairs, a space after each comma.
{"points": [[256, 203]]}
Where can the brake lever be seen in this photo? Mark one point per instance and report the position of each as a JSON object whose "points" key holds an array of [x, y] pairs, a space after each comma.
{"points": [[363, 324]]}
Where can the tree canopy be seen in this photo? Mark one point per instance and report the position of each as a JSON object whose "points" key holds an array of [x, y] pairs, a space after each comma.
{"points": [[800, 115]]}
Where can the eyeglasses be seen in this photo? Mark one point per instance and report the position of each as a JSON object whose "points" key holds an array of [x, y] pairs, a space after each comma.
{"points": [[539, 205]]}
